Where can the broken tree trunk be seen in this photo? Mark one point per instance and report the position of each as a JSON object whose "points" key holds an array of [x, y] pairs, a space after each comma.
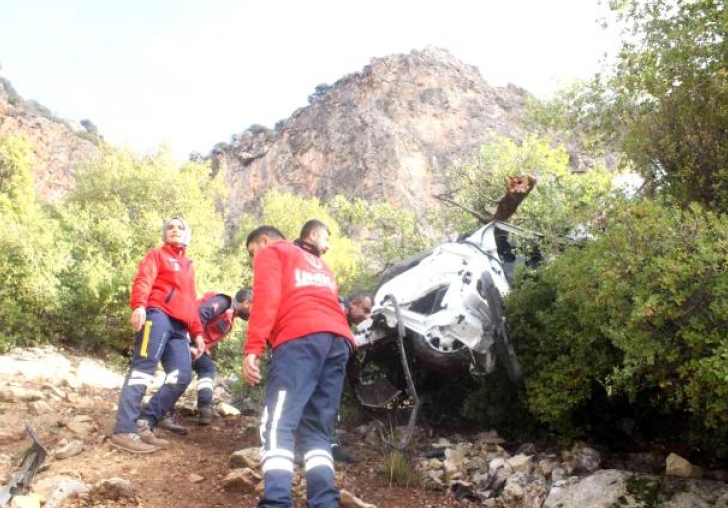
{"points": [[517, 188]]}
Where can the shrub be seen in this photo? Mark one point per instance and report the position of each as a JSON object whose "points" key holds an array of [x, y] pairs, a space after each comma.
{"points": [[113, 218], [560, 201], [32, 252], [320, 90], [88, 136], [14, 98], [256, 128], [42, 110], [641, 312]]}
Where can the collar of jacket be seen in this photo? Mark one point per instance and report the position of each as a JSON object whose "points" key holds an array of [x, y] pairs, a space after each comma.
{"points": [[307, 247], [177, 249]]}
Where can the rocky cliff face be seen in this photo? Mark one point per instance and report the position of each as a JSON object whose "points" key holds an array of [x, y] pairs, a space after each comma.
{"points": [[383, 134], [58, 147]]}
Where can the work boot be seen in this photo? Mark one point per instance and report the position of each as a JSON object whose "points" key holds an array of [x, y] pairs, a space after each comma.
{"points": [[131, 443], [169, 424], [341, 454], [147, 435], [205, 416]]}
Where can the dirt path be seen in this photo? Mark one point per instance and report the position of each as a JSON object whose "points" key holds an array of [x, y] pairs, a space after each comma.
{"points": [[162, 479]]}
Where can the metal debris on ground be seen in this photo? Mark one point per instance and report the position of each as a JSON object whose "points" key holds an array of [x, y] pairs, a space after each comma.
{"points": [[32, 460]]}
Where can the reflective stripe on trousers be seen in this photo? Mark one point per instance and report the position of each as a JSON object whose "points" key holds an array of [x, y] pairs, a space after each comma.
{"points": [[304, 382]]}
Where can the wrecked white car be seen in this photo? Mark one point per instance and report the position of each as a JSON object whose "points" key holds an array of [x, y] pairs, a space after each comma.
{"points": [[441, 312]]}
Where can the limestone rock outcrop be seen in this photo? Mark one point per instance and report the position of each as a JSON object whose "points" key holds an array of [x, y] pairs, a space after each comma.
{"points": [[59, 147], [386, 133]]}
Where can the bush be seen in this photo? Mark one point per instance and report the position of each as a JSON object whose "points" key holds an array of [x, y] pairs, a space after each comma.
{"points": [[113, 217], [641, 312], [88, 136], [32, 252], [320, 90], [14, 98], [43, 111], [256, 129], [386, 235], [561, 200]]}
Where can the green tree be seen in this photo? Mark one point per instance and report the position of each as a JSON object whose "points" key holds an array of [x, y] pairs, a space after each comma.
{"points": [[638, 313], [114, 216], [386, 235], [31, 251], [288, 213], [16, 183], [561, 200], [664, 104]]}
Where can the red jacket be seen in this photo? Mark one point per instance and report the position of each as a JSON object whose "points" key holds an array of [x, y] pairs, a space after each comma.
{"points": [[166, 281], [295, 295], [216, 318]]}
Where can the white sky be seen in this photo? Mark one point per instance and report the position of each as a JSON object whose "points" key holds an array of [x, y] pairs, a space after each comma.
{"points": [[190, 73]]}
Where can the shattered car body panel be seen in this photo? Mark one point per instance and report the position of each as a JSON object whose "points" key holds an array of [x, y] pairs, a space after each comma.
{"points": [[450, 303]]}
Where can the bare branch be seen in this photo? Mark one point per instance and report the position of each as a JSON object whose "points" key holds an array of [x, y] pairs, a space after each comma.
{"points": [[517, 189], [483, 219]]}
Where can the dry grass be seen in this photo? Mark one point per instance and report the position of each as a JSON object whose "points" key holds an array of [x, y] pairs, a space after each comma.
{"points": [[399, 470]]}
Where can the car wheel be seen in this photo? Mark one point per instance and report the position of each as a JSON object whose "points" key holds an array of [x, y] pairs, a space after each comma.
{"points": [[455, 361]]}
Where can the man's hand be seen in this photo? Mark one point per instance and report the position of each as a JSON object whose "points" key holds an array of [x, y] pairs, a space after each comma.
{"points": [[199, 348], [137, 318], [251, 372]]}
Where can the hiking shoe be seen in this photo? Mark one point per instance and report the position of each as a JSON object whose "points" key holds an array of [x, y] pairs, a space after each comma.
{"points": [[147, 435], [205, 416], [341, 454], [169, 424], [131, 443]]}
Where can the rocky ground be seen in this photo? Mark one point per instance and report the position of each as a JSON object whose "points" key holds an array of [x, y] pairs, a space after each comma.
{"points": [[69, 401]]}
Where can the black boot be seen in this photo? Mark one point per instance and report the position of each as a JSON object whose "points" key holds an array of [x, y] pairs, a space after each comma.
{"points": [[205, 416], [169, 424], [341, 454]]}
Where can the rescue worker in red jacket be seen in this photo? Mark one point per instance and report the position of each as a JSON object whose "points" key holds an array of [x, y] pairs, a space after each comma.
{"points": [[217, 313], [164, 316], [356, 306], [296, 312]]}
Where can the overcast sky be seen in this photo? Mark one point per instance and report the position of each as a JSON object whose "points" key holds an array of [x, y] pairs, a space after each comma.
{"points": [[191, 73]]}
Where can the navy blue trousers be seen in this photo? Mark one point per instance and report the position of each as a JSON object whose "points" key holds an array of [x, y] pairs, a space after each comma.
{"points": [[161, 339], [205, 369], [304, 382]]}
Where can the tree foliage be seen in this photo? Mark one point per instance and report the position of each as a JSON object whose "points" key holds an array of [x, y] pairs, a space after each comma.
{"points": [[639, 312], [68, 268], [664, 104], [387, 235], [561, 200], [289, 213], [113, 217], [31, 251], [320, 90]]}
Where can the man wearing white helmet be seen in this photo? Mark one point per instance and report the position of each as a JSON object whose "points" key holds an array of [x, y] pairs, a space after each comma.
{"points": [[164, 316]]}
